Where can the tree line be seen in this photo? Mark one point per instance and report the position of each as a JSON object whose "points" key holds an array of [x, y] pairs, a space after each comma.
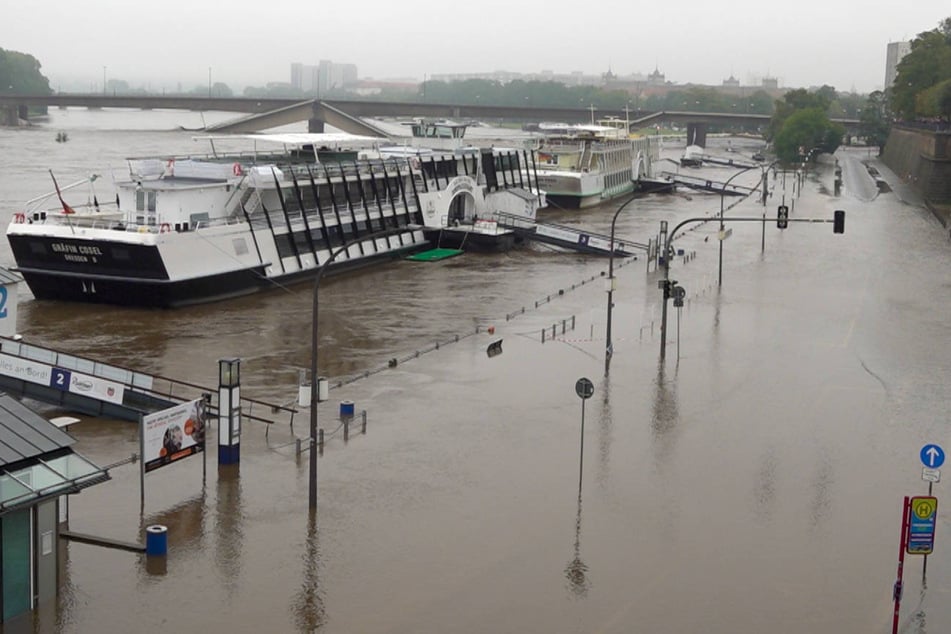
{"points": [[922, 88]]}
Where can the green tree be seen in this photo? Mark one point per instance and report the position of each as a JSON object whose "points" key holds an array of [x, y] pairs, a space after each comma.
{"points": [[796, 100], [20, 73], [928, 63], [804, 130], [874, 120], [935, 102]]}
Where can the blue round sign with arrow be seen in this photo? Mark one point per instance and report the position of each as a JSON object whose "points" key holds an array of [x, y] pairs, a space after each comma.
{"points": [[932, 456]]}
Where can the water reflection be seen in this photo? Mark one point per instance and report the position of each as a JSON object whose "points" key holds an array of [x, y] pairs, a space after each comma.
{"points": [[576, 570], [605, 436], [186, 530], [185, 522], [765, 486], [308, 605], [821, 485], [664, 414], [229, 526]]}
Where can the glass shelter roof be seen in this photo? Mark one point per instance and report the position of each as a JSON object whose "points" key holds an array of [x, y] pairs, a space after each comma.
{"points": [[42, 478], [36, 461]]}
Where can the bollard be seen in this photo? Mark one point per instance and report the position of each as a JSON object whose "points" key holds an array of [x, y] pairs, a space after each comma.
{"points": [[543, 335], [364, 414], [156, 540], [346, 429], [320, 439]]}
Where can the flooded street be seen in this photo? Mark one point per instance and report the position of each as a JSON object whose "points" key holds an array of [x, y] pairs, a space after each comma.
{"points": [[750, 483]]}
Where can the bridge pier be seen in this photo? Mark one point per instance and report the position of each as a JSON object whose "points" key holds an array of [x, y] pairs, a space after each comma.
{"points": [[697, 134], [13, 115], [315, 125]]}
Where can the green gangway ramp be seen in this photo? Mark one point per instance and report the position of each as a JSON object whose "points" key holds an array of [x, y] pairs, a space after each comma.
{"points": [[434, 255]]}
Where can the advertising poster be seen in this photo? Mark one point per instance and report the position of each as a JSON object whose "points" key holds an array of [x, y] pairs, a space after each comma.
{"points": [[62, 379], [173, 434]]}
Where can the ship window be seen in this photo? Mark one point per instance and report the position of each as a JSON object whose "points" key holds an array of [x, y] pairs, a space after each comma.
{"points": [[283, 244], [145, 201]]}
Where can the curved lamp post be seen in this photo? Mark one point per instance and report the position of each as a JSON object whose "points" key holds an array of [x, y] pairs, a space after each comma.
{"points": [[313, 349], [609, 348], [722, 194], [720, 236]]}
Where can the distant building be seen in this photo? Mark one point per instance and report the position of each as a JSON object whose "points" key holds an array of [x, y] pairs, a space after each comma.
{"points": [[656, 78], [894, 53], [575, 78], [769, 83], [367, 87], [732, 82], [323, 78]]}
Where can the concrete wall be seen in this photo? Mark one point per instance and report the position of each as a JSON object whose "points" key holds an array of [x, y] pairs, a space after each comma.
{"points": [[922, 158]]}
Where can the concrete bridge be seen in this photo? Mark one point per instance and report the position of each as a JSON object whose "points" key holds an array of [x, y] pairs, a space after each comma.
{"points": [[346, 115]]}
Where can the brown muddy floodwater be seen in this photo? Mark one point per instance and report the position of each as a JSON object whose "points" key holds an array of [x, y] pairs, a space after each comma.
{"points": [[752, 483]]}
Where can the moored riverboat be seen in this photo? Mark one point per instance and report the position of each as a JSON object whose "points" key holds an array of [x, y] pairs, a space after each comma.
{"points": [[584, 165], [191, 229]]}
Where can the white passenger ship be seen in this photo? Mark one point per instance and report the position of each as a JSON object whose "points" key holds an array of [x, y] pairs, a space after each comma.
{"points": [[584, 165], [191, 229]]}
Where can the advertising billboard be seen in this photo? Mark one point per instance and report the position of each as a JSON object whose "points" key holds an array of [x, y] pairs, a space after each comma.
{"points": [[172, 434]]}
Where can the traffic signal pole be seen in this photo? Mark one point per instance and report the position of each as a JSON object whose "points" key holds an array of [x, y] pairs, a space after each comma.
{"points": [[667, 284]]}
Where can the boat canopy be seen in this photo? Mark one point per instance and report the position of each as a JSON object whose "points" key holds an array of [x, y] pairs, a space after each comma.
{"points": [[299, 139]]}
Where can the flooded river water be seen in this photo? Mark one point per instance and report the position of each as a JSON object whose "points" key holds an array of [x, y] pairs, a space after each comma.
{"points": [[750, 483]]}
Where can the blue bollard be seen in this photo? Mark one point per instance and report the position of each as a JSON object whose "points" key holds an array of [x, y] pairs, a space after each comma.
{"points": [[156, 540]]}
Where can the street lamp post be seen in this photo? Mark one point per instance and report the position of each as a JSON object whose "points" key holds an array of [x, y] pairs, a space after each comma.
{"points": [[720, 236], [312, 496], [764, 170], [609, 348]]}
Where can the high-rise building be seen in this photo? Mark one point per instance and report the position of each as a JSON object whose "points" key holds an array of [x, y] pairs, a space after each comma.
{"points": [[894, 54], [320, 79]]}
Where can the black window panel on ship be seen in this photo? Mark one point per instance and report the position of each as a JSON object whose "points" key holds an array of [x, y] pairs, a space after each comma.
{"points": [[284, 246], [300, 238], [318, 239]]}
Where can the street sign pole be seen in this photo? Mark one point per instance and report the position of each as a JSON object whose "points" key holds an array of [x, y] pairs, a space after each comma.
{"points": [[924, 561], [896, 592], [932, 456]]}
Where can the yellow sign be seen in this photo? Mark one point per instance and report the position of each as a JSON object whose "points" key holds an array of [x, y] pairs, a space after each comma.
{"points": [[925, 507]]}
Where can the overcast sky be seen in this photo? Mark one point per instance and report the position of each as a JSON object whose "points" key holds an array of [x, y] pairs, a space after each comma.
{"points": [[160, 44]]}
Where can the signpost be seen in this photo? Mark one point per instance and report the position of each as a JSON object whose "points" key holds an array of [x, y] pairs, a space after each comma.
{"points": [[584, 388], [932, 456], [921, 525], [918, 519]]}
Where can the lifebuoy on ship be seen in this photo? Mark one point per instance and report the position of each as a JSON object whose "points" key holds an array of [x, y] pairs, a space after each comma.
{"points": [[414, 163], [236, 169], [164, 228], [19, 218]]}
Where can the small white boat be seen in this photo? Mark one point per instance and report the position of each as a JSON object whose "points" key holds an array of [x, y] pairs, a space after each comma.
{"points": [[692, 156]]}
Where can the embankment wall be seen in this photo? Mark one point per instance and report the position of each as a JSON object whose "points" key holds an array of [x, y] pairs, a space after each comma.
{"points": [[922, 158]]}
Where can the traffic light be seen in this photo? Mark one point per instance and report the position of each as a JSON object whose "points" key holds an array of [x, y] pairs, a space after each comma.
{"points": [[782, 217], [838, 221], [668, 287]]}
